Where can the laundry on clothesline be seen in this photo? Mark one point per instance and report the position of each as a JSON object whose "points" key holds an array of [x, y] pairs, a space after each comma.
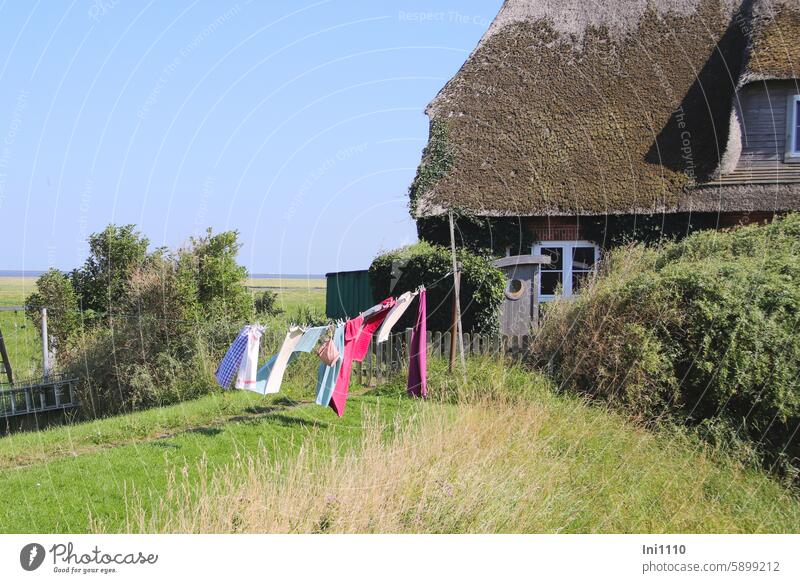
{"points": [[401, 305], [357, 335], [328, 352], [347, 343], [231, 362], [246, 378], [418, 352], [327, 374], [270, 376]]}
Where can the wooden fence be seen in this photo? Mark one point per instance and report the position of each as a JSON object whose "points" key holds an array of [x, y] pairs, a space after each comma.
{"points": [[387, 358]]}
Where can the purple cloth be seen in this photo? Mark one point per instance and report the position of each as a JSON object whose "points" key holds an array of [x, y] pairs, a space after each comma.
{"points": [[418, 351], [229, 366]]}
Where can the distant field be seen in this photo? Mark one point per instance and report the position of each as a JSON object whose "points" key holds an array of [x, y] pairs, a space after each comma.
{"points": [[293, 294], [24, 344], [14, 289], [287, 283], [21, 339]]}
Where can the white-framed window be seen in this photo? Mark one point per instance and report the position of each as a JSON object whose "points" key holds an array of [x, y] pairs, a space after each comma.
{"points": [[793, 119], [571, 262]]}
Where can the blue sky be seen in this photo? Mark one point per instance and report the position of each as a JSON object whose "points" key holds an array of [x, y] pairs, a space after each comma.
{"points": [[299, 123]]}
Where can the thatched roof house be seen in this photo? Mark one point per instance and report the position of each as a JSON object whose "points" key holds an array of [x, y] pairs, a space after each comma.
{"points": [[580, 114]]}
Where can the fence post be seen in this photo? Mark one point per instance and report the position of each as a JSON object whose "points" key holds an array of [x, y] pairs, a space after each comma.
{"points": [[45, 345], [537, 276], [407, 353]]}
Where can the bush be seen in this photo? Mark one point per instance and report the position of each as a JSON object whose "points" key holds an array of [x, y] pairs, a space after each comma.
{"points": [[55, 292], [101, 284], [482, 285], [266, 303], [163, 336], [152, 352], [702, 331], [207, 269]]}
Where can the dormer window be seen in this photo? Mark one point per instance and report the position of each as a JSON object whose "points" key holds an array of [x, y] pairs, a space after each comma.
{"points": [[793, 133]]}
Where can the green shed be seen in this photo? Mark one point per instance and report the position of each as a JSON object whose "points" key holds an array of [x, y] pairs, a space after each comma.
{"points": [[348, 293]]}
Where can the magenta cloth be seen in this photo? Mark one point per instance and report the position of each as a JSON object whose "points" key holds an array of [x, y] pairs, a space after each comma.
{"points": [[418, 351], [357, 335]]}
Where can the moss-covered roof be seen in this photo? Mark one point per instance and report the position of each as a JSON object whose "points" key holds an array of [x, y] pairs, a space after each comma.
{"points": [[607, 106], [774, 41]]}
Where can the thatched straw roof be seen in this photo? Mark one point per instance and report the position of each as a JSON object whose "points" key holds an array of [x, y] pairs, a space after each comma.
{"points": [[605, 106]]}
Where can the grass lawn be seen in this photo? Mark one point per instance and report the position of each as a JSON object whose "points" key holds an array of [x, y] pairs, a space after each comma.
{"points": [[95, 469], [503, 453]]}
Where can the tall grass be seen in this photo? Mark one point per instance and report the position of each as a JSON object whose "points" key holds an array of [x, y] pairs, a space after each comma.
{"points": [[496, 461]]}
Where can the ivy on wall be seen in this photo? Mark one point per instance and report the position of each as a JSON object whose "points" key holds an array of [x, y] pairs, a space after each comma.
{"points": [[494, 235], [437, 159]]}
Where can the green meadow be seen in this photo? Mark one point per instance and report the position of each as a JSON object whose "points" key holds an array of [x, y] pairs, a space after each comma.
{"points": [[501, 451]]}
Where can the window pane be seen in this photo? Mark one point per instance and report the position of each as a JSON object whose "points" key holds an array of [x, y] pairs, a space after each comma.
{"points": [[797, 126], [578, 279], [551, 280], [556, 259], [583, 258]]}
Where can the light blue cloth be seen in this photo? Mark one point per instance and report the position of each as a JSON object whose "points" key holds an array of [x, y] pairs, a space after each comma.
{"points": [[309, 339], [327, 375], [305, 344]]}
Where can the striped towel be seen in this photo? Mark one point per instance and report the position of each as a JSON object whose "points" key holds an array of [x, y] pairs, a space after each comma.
{"points": [[229, 366]]}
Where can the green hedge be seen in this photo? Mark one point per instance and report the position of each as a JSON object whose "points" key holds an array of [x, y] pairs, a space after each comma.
{"points": [[395, 272], [703, 331]]}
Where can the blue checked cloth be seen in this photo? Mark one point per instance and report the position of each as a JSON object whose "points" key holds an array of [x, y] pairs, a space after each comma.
{"points": [[229, 366]]}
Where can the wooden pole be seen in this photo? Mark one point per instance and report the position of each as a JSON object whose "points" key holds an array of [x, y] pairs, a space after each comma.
{"points": [[6, 361], [45, 345], [456, 299], [453, 326]]}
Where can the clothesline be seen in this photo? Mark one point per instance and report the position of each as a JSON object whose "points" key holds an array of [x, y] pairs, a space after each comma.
{"points": [[349, 343], [438, 281]]}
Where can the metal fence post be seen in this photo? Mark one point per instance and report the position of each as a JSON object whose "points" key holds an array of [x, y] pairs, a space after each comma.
{"points": [[45, 344]]}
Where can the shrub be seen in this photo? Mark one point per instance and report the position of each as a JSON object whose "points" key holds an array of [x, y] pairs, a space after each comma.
{"points": [[404, 269], [266, 303], [114, 253], [207, 269], [148, 354], [702, 331], [163, 338], [55, 292]]}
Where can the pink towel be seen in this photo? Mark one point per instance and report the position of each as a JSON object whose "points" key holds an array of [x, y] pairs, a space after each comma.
{"points": [[357, 335], [418, 351]]}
